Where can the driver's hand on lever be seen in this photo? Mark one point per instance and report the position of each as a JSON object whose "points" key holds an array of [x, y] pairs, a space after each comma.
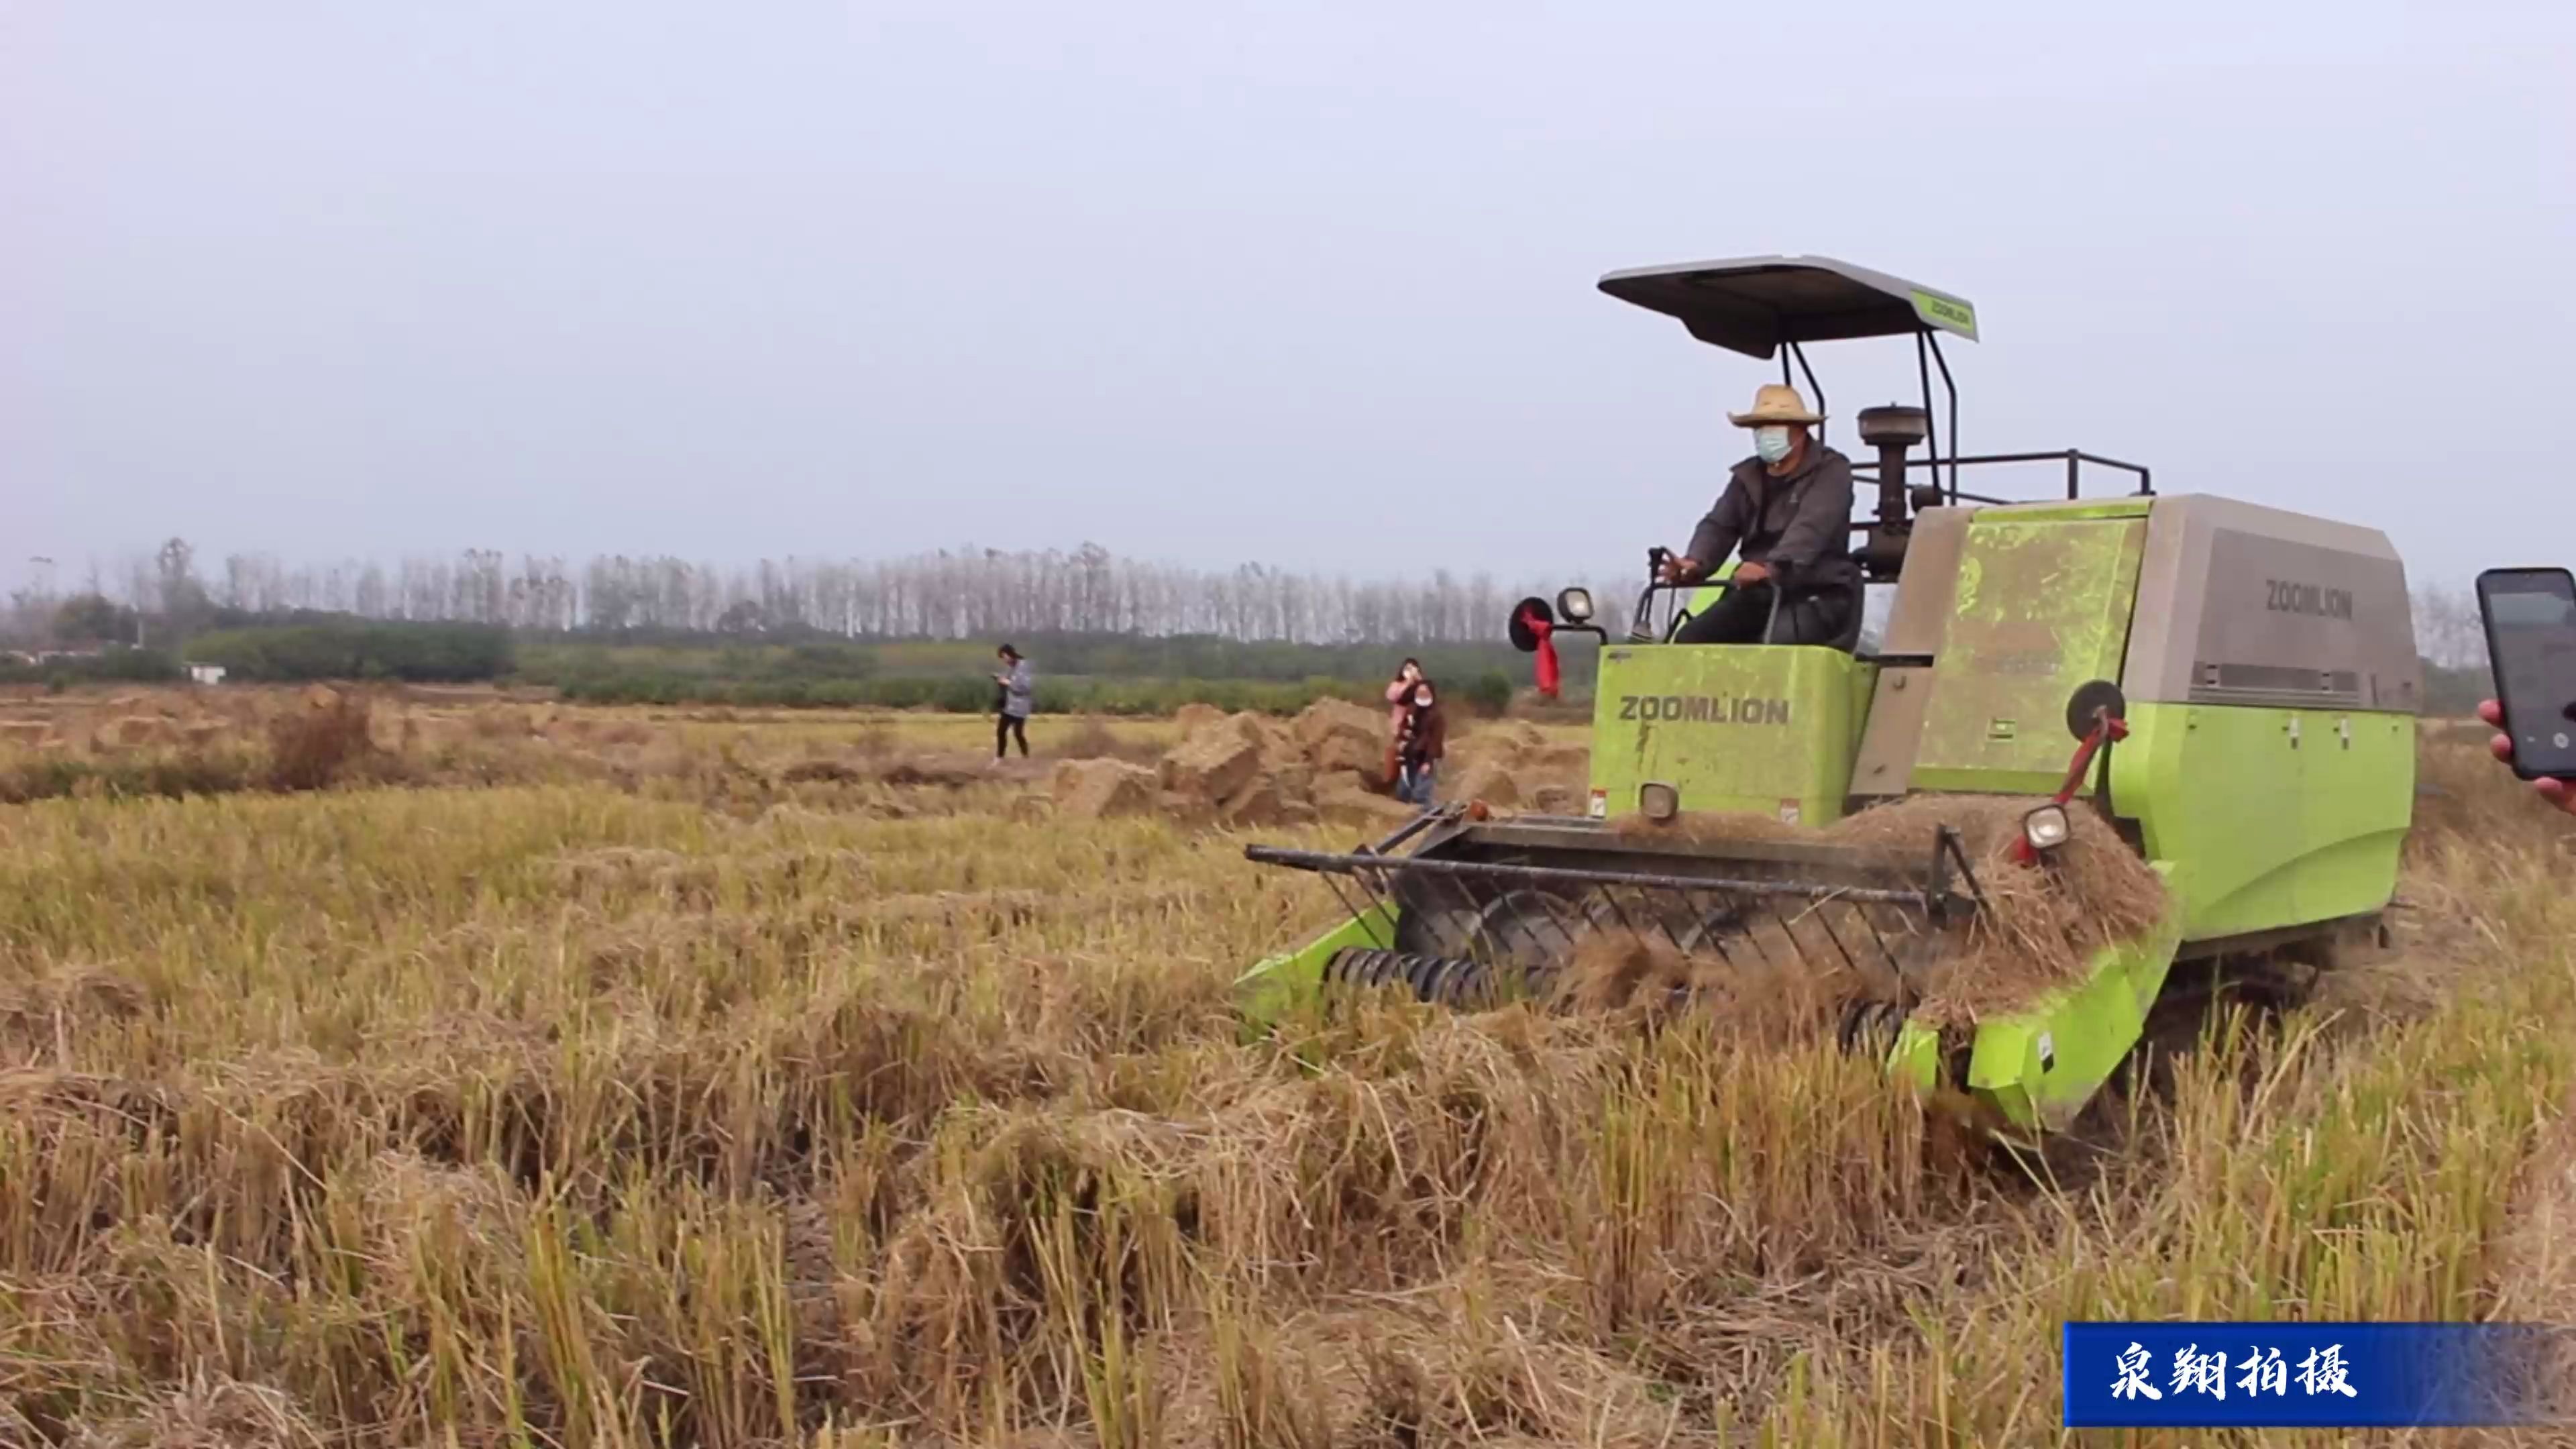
{"points": [[1676, 570], [1750, 573]]}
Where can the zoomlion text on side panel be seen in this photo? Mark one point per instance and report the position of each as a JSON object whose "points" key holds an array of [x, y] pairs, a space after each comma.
{"points": [[2244, 605], [1730, 728], [2285, 596], [1704, 709]]}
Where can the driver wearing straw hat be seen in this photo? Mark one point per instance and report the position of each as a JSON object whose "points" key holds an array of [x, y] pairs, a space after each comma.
{"points": [[1789, 509]]}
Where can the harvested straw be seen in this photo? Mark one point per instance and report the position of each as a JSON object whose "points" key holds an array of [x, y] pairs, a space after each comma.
{"points": [[2042, 927], [1764, 995]]}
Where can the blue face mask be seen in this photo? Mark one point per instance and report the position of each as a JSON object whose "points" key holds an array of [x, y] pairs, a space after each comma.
{"points": [[1771, 443]]}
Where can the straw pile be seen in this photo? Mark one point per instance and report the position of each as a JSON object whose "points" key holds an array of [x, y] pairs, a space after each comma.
{"points": [[1327, 764]]}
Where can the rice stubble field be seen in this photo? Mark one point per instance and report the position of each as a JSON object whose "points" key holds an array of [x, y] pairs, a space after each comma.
{"points": [[512, 1098]]}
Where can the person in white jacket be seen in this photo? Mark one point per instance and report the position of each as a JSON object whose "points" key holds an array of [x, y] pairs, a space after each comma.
{"points": [[1018, 702]]}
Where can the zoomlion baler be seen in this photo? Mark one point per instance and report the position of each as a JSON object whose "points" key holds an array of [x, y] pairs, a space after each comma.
{"points": [[2233, 687]]}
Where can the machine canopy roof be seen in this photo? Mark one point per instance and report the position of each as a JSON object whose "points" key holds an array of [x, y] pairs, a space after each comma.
{"points": [[1754, 305]]}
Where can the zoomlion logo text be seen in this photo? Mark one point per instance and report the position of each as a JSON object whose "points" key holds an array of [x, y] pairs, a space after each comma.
{"points": [[1705, 708], [2315, 599]]}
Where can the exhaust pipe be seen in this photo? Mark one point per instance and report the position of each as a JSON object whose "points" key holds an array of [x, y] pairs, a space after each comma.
{"points": [[1892, 430]]}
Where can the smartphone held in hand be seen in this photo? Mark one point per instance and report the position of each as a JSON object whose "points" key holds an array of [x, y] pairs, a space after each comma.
{"points": [[2530, 618]]}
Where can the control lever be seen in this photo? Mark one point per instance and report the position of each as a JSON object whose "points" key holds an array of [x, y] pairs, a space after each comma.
{"points": [[1641, 629]]}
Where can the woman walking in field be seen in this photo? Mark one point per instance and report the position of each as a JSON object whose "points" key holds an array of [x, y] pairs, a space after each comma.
{"points": [[1420, 744], [1018, 699]]}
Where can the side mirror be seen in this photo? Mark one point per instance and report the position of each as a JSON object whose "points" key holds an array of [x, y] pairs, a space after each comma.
{"points": [[1530, 611], [1575, 605]]}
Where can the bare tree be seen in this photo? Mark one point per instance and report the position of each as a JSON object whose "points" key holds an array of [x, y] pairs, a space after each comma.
{"points": [[2448, 630]]}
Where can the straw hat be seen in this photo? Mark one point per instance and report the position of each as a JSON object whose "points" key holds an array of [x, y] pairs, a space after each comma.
{"points": [[1776, 402]]}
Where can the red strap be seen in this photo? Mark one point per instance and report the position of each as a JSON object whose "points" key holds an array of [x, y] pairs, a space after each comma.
{"points": [[2111, 727], [1547, 675]]}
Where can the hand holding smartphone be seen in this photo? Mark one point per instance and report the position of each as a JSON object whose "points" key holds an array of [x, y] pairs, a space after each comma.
{"points": [[2530, 618]]}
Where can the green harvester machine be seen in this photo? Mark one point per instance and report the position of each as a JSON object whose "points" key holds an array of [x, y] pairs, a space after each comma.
{"points": [[2233, 687]]}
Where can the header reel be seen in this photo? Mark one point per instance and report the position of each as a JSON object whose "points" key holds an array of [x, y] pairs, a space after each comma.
{"points": [[1481, 912]]}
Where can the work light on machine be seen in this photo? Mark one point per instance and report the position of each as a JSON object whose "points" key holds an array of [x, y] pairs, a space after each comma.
{"points": [[2047, 827], [1574, 605]]}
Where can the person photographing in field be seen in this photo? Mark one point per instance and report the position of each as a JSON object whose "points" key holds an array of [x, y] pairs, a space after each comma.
{"points": [[1018, 699], [1420, 743], [1789, 509], [1397, 704]]}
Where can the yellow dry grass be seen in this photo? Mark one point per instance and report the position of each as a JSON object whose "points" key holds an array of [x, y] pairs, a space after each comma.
{"points": [[589, 1109]]}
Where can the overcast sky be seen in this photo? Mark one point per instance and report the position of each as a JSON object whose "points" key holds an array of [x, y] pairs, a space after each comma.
{"points": [[1309, 284]]}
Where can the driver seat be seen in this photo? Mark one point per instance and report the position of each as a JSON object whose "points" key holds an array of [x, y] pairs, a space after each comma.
{"points": [[1847, 639]]}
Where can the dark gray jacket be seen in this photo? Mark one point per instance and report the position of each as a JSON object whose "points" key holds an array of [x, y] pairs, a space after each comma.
{"points": [[1803, 520]]}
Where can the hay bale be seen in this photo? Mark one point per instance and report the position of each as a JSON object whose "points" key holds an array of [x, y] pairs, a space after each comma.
{"points": [[1100, 789], [1335, 734], [309, 750], [1247, 726], [26, 734], [321, 697], [139, 729], [1344, 782], [1338, 804], [1563, 761], [1194, 717], [952, 769], [204, 732], [1343, 753], [1325, 718], [1295, 781], [1489, 781], [1211, 764], [1258, 803]]}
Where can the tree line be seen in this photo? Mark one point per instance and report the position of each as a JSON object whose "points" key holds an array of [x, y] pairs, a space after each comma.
{"points": [[970, 593], [961, 594]]}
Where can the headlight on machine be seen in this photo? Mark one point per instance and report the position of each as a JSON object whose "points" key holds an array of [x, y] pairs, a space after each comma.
{"points": [[2047, 827], [1659, 801], [1575, 605]]}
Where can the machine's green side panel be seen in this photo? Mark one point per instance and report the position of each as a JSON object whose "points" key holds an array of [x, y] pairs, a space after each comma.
{"points": [[1734, 728], [1280, 983], [2044, 599], [2273, 817]]}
